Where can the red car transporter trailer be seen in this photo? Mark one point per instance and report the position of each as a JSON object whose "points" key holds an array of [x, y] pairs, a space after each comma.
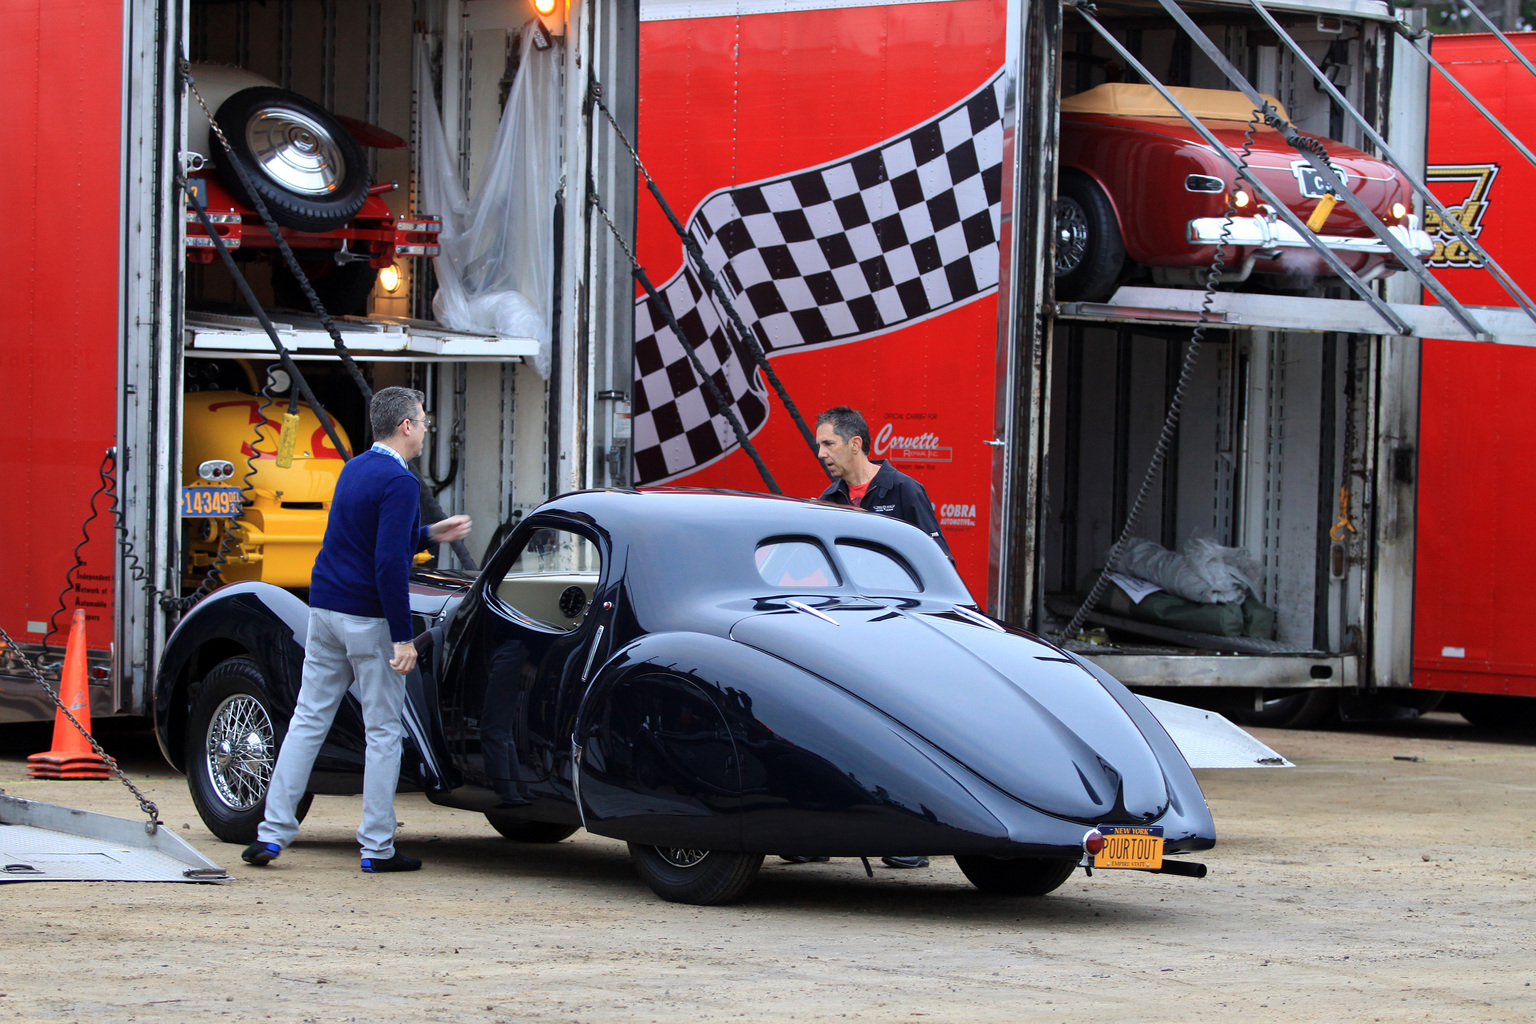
{"points": [[121, 309], [876, 185], [1476, 547]]}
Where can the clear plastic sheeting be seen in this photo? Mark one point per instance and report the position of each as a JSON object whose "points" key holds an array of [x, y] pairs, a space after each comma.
{"points": [[496, 268], [1204, 571]]}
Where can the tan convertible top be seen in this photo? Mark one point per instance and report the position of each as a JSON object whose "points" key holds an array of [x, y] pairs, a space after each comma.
{"points": [[1126, 100]]}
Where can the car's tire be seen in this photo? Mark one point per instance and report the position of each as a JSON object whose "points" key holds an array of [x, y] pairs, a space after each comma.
{"points": [[307, 168], [1024, 876], [1302, 709], [700, 877], [520, 831], [1090, 251], [231, 748], [342, 288]]}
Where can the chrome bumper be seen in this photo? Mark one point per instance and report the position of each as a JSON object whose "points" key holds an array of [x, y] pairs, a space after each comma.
{"points": [[1265, 232]]}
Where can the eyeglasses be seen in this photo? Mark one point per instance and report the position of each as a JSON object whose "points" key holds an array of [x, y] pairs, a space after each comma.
{"points": [[426, 421]]}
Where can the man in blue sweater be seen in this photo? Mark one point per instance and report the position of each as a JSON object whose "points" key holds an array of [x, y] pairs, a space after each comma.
{"points": [[360, 631]]}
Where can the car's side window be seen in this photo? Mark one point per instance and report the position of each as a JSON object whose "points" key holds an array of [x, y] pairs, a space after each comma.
{"points": [[795, 562], [552, 578], [875, 568]]}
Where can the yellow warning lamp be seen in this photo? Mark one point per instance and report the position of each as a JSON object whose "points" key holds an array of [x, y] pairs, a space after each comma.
{"points": [[389, 279], [551, 17]]}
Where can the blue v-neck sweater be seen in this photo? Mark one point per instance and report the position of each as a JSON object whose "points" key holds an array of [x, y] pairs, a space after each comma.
{"points": [[374, 529]]}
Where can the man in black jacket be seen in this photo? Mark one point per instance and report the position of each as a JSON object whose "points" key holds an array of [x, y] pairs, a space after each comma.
{"points": [[842, 443]]}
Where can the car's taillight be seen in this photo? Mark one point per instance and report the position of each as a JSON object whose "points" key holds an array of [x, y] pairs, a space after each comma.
{"points": [[1093, 841]]}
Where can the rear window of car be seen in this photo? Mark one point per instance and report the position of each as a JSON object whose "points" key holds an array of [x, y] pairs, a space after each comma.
{"points": [[795, 562], [874, 568]]}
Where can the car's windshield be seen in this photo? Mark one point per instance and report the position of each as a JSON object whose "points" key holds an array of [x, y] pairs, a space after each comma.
{"points": [[555, 551]]}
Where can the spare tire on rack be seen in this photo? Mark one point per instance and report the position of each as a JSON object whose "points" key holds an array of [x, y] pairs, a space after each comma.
{"points": [[306, 167]]}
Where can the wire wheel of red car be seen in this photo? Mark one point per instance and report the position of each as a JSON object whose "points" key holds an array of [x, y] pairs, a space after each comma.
{"points": [[1089, 250], [700, 877], [307, 168], [1023, 876]]}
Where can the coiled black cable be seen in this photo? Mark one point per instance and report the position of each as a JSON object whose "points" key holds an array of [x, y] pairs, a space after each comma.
{"points": [[107, 460]]}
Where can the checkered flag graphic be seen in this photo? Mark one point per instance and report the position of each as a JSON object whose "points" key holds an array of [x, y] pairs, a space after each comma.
{"points": [[849, 250]]}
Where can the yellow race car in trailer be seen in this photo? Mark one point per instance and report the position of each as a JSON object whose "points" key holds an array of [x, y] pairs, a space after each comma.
{"points": [[277, 533]]}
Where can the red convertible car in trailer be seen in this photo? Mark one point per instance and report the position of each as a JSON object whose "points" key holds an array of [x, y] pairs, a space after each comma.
{"points": [[1139, 186]]}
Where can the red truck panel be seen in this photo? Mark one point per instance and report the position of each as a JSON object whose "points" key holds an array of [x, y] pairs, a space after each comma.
{"points": [[61, 76], [1476, 549], [732, 100]]}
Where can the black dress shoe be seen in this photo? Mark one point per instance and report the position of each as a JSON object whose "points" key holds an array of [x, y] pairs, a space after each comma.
{"points": [[788, 859], [260, 854], [378, 865], [904, 862]]}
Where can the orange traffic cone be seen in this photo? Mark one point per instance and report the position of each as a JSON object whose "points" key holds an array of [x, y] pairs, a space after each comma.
{"points": [[71, 756]]}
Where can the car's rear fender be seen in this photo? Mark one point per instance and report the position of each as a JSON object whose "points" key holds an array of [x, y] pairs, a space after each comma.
{"points": [[1143, 174], [1196, 829], [269, 625], [253, 620], [778, 760]]}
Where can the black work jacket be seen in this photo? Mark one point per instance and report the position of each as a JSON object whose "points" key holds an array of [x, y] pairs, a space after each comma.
{"points": [[893, 493]]}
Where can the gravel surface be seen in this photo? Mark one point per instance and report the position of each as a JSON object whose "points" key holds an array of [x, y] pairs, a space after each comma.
{"points": [[1385, 878]]}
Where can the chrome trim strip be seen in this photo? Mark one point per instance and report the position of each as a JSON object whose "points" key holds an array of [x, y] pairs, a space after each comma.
{"points": [[801, 606], [597, 638]]}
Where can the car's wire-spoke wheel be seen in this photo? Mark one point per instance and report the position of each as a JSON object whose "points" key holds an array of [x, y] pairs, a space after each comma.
{"points": [[1090, 252], [232, 736], [1022, 876], [681, 858], [700, 877], [1071, 235], [240, 752]]}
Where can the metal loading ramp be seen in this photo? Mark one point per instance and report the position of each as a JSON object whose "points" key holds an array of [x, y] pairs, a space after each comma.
{"points": [[47, 843]]}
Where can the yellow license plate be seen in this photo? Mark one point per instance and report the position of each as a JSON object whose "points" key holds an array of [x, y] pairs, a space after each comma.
{"points": [[1130, 846], [210, 502]]}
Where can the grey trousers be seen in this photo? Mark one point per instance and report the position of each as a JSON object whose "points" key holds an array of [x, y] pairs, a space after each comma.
{"points": [[340, 649]]}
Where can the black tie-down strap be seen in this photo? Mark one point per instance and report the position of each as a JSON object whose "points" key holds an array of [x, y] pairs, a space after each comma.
{"points": [[711, 283], [711, 388]]}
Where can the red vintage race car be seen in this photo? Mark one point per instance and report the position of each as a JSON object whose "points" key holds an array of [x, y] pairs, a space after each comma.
{"points": [[309, 168], [1138, 186]]}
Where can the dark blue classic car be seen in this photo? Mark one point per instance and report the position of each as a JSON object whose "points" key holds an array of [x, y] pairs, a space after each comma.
{"points": [[712, 677]]}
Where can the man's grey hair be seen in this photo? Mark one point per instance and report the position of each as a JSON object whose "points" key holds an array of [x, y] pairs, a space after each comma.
{"points": [[847, 424], [390, 407]]}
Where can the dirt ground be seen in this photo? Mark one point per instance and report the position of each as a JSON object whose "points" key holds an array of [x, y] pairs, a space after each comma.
{"points": [[1388, 877]]}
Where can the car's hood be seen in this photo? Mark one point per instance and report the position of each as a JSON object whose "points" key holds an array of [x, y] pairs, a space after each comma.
{"points": [[1011, 709]]}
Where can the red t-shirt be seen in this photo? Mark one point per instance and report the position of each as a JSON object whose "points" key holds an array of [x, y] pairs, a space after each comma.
{"points": [[856, 494]]}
